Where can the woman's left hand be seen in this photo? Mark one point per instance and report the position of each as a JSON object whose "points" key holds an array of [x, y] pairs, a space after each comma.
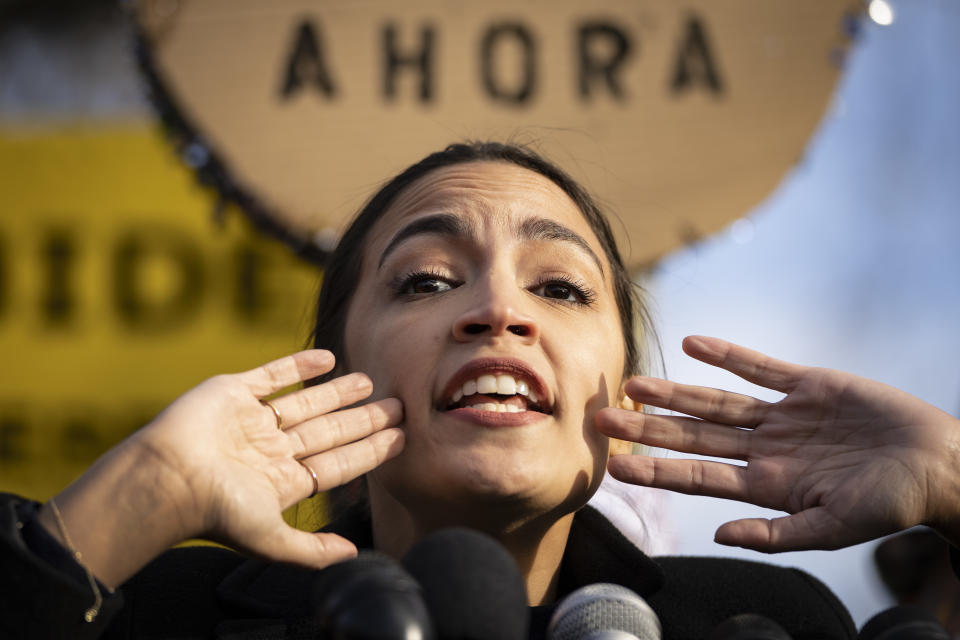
{"points": [[850, 459]]}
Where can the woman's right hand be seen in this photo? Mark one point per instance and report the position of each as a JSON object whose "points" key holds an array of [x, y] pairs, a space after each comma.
{"points": [[214, 464]]}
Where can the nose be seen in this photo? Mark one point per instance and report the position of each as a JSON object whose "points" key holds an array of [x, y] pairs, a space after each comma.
{"points": [[496, 313]]}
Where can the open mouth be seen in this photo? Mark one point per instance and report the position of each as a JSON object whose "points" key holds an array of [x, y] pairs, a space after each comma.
{"points": [[500, 393]]}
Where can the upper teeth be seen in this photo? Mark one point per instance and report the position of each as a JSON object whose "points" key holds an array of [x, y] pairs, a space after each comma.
{"points": [[502, 384]]}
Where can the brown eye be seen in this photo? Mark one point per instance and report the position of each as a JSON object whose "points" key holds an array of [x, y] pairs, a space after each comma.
{"points": [[564, 290], [423, 283], [558, 291], [428, 285]]}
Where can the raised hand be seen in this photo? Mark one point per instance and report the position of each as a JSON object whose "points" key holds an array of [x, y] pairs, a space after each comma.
{"points": [[215, 464], [849, 458]]}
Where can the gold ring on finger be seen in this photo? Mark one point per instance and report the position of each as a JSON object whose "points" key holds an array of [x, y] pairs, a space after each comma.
{"points": [[276, 413], [313, 474]]}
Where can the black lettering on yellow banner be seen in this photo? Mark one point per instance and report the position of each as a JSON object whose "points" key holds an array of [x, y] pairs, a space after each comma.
{"points": [[118, 292]]}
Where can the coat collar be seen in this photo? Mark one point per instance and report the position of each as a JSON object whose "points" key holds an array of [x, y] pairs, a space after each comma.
{"points": [[596, 552]]}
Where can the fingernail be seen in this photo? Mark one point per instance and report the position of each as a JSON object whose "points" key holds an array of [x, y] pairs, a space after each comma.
{"points": [[361, 381], [703, 344], [643, 385]]}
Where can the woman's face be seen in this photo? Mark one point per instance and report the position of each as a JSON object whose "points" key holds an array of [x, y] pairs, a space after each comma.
{"points": [[486, 305]]}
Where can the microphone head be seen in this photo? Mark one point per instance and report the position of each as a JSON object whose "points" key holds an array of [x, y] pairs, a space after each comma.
{"points": [[748, 626], [471, 585], [904, 622], [370, 598], [604, 611]]}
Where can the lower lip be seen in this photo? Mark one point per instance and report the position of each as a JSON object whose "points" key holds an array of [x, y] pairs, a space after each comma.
{"points": [[497, 418]]}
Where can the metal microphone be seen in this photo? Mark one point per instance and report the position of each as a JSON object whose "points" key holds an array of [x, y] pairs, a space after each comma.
{"points": [[604, 612]]}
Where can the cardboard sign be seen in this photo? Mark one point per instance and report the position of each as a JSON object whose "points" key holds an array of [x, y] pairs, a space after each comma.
{"points": [[680, 117]]}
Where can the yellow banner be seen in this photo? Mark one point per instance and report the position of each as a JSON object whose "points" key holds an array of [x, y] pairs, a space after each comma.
{"points": [[119, 291]]}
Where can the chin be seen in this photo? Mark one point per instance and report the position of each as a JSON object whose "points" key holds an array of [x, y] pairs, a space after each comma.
{"points": [[496, 490]]}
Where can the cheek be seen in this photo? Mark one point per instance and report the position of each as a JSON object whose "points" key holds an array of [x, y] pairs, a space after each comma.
{"points": [[597, 355], [364, 336], [398, 350]]}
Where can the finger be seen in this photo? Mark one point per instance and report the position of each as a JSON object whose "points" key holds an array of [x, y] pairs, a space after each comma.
{"points": [[694, 477], [750, 365], [323, 398], [813, 528], [687, 435], [313, 550], [342, 427], [343, 464], [278, 374], [724, 407]]}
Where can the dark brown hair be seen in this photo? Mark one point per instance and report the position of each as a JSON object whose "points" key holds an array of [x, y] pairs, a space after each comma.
{"points": [[343, 267]]}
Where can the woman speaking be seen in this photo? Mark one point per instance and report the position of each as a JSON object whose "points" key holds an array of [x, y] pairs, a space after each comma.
{"points": [[475, 363]]}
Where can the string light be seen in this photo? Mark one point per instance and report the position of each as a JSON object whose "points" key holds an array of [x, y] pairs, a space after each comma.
{"points": [[880, 12]]}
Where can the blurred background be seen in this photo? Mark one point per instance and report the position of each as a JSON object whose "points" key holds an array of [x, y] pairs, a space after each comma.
{"points": [[140, 252]]}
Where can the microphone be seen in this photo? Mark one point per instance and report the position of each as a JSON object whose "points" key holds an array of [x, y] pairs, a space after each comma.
{"points": [[370, 598], [748, 626], [471, 586], [904, 622], [604, 612]]}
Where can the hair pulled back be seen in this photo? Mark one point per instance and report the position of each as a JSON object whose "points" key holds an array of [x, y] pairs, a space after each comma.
{"points": [[343, 267]]}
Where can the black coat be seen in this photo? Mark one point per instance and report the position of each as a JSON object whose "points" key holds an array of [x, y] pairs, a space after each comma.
{"points": [[206, 592]]}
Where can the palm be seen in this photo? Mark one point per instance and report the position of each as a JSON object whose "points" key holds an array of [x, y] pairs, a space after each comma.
{"points": [[250, 470], [237, 471], [846, 456], [823, 448]]}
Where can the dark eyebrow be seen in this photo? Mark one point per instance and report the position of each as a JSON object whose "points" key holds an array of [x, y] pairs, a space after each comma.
{"points": [[544, 229], [444, 224]]}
